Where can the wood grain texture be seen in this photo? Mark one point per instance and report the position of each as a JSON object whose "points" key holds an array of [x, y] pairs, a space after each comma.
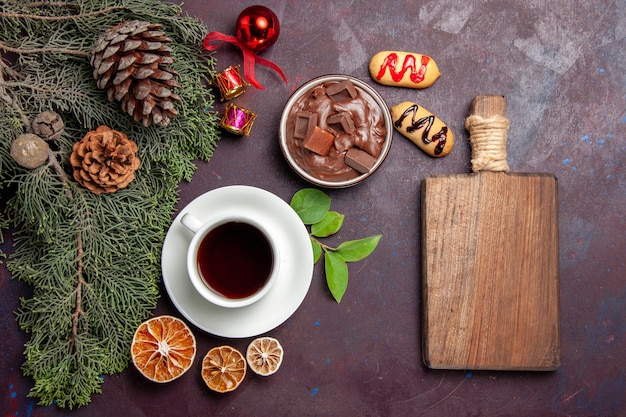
{"points": [[490, 268], [490, 278]]}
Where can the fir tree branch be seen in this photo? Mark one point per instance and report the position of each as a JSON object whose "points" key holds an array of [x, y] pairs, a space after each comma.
{"points": [[93, 261], [78, 309], [65, 51], [51, 4], [60, 18], [54, 162], [10, 101]]}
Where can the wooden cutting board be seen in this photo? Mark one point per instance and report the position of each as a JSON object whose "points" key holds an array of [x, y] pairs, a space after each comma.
{"points": [[490, 260]]}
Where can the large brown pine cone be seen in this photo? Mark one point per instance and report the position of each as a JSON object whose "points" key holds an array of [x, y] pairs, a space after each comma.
{"points": [[131, 62], [105, 160]]}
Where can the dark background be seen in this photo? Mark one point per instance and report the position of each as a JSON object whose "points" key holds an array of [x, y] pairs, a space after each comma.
{"points": [[561, 66]]}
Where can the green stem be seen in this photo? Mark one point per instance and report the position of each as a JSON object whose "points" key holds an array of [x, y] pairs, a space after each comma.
{"points": [[324, 247]]}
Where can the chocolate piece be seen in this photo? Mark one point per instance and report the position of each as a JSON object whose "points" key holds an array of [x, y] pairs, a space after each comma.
{"points": [[341, 122], [341, 91], [359, 160], [304, 124], [319, 141]]}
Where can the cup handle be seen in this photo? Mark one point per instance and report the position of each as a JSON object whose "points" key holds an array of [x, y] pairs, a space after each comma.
{"points": [[191, 223]]}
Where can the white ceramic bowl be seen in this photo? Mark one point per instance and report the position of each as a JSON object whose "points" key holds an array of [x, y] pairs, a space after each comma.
{"points": [[293, 153]]}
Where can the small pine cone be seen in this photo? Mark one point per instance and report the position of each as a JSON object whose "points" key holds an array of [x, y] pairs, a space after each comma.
{"points": [[49, 125], [105, 160], [131, 62]]}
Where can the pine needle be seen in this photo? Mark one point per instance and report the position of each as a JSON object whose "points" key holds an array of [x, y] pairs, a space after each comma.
{"points": [[93, 261]]}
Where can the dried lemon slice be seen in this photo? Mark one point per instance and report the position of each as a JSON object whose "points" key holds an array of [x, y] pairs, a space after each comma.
{"points": [[223, 368], [264, 355], [163, 348]]}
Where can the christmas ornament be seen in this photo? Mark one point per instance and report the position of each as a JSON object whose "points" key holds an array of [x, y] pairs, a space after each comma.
{"points": [[237, 119], [29, 150], [131, 61], [48, 125], [257, 29], [230, 82], [104, 161]]}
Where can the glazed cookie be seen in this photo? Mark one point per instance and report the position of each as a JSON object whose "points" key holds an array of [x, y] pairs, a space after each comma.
{"points": [[422, 128], [403, 69]]}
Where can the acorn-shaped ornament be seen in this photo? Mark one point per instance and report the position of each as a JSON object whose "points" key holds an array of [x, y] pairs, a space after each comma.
{"points": [[29, 150], [48, 125]]}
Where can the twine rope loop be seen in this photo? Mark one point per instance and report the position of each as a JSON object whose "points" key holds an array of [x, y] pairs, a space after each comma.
{"points": [[488, 142]]}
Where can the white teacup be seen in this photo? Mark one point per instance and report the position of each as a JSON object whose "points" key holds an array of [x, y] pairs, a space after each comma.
{"points": [[232, 260]]}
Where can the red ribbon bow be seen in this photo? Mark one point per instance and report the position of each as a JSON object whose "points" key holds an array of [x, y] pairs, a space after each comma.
{"points": [[249, 57]]}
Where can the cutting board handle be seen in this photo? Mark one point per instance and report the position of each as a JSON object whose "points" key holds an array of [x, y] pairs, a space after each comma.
{"points": [[488, 125]]}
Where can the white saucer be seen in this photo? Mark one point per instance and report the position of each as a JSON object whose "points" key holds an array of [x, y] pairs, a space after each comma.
{"points": [[287, 293]]}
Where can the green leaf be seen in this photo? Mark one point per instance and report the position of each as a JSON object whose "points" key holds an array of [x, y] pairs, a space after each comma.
{"points": [[317, 250], [336, 274], [310, 204], [355, 250], [329, 225]]}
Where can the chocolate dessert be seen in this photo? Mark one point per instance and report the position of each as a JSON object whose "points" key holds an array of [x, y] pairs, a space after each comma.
{"points": [[335, 131]]}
